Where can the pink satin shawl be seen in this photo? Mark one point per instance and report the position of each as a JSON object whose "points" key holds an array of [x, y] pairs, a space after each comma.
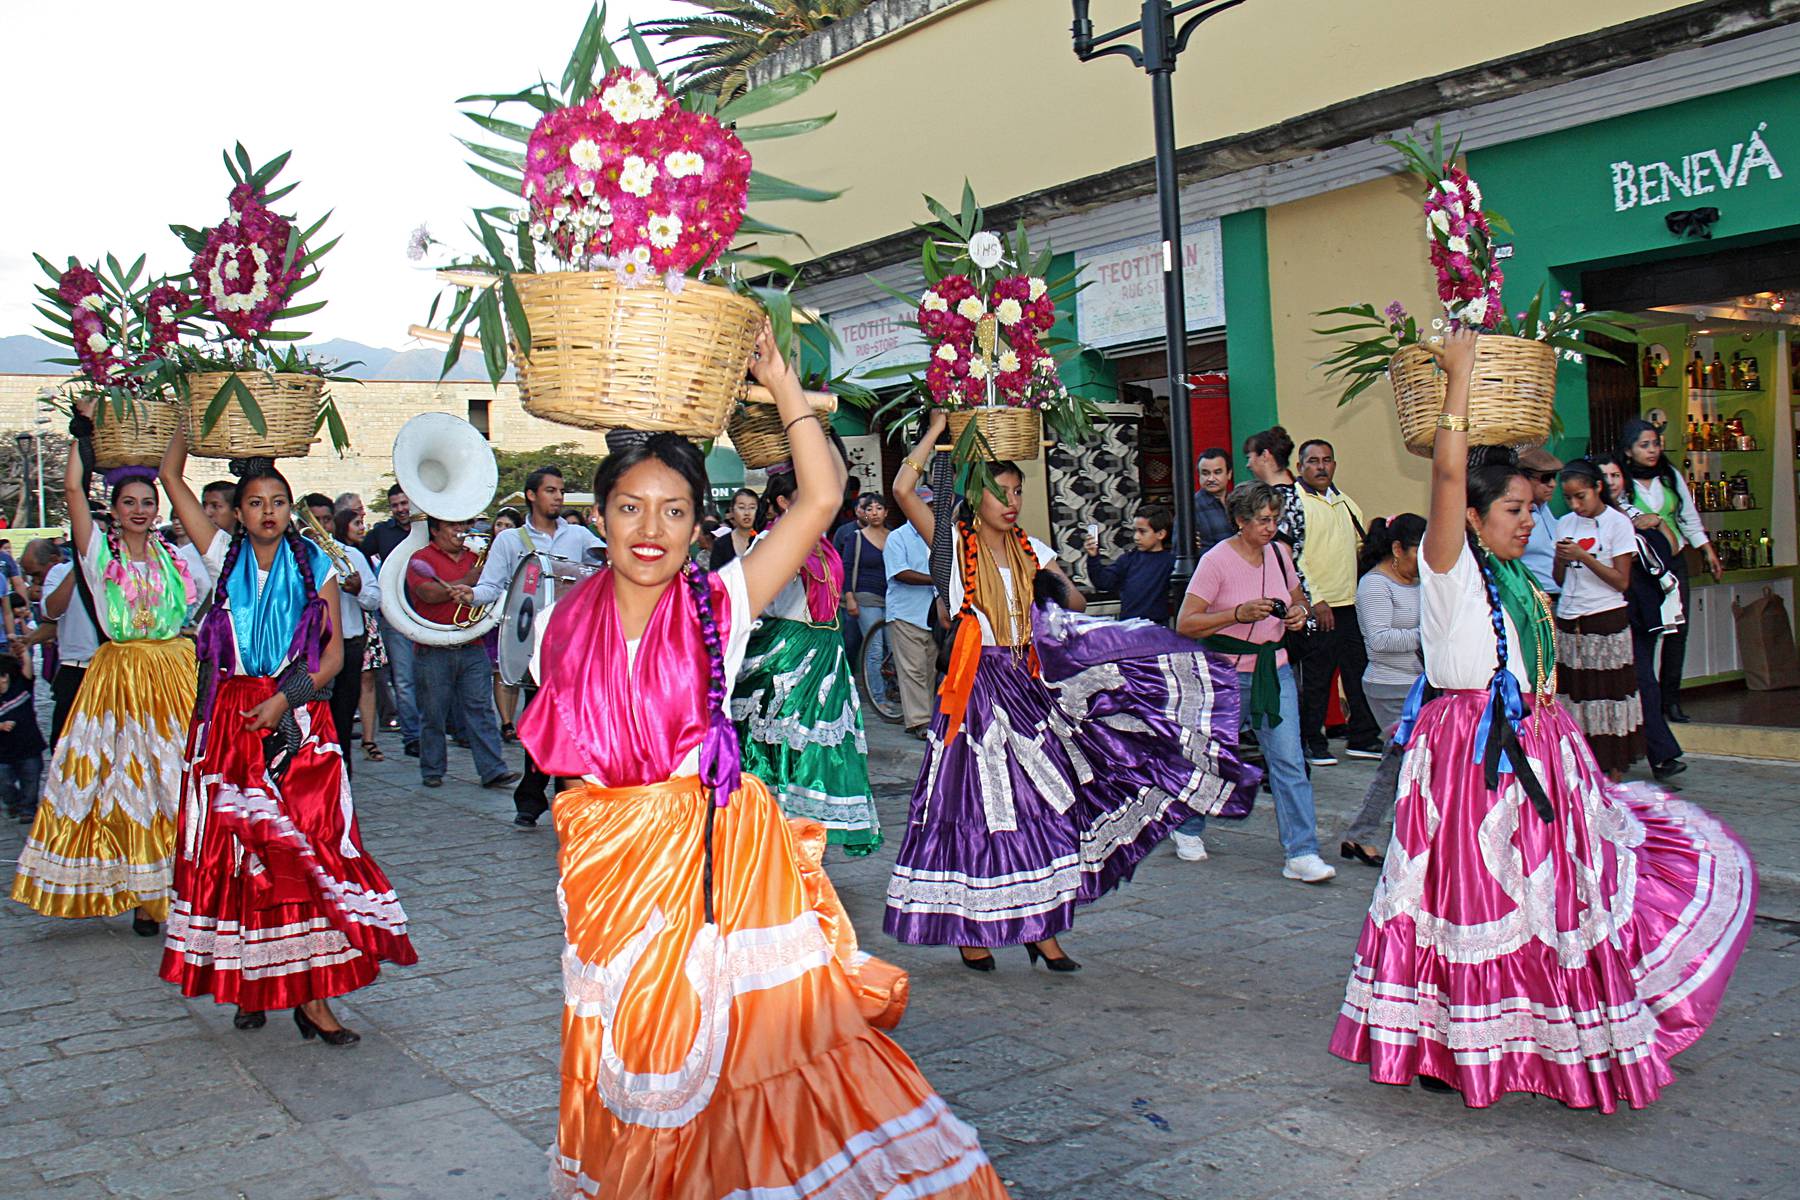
{"points": [[597, 714]]}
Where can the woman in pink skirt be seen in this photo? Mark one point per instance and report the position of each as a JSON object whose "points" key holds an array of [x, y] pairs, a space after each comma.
{"points": [[1536, 927]]}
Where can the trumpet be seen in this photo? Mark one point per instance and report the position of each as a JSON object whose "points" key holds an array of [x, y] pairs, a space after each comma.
{"points": [[466, 615], [333, 549]]}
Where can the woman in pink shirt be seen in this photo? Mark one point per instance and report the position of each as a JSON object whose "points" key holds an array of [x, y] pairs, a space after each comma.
{"points": [[1244, 599]]}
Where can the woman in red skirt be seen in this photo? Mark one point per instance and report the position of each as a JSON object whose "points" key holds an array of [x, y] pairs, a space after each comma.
{"points": [[277, 904]]}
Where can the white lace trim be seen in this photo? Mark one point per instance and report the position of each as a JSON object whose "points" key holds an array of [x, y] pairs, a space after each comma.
{"points": [[718, 969], [986, 898], [1594, 651], [226, 945], [355, 903], [59, 875], [885, 1162], [1483, 1034], [750, 707], [1612, 833], [131, 768]]}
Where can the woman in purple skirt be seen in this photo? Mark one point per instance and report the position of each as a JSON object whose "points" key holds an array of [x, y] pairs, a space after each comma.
{"points": [[1064, 748]]}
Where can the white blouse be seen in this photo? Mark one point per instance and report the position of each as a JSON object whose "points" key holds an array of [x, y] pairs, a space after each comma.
{"points": [[1045, 556], [1456, 629]]}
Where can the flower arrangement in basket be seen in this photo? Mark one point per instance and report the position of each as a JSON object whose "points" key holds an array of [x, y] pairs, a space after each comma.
{"points": [[637, 193], [248, 391], [122, 327], [1512, 400], [986, 317]]}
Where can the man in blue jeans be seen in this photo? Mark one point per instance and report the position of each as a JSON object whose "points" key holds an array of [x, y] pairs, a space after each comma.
{"points": [[380, 542], [457, 677]]}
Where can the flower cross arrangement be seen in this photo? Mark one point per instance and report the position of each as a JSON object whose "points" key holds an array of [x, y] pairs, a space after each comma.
{"points": [[1459, 233], [120, 326], [986, 317], [621, 171], [246, 272]]}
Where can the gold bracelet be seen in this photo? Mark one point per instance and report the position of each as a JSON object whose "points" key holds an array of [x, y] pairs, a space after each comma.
{"points": [[1453, 422], [907, 462]]}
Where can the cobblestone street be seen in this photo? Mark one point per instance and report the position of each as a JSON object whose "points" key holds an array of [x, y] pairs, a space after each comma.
{"points": [[1187, 1060]]}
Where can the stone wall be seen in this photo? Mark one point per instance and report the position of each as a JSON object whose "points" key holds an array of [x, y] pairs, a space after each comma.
{"points": [[373, 413]]}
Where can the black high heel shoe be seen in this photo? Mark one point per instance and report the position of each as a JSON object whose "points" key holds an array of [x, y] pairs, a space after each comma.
{"points": [[1355, 851], [145, 927], [1432, 1083], [331, 1037], [1061, 962], [249, 1020], [984, 963]]}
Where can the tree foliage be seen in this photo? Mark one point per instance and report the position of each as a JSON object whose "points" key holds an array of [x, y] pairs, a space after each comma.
{"points": [[731, 37]]}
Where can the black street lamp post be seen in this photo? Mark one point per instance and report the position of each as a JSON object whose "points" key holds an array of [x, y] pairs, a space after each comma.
{"points": [[1164, 36]]}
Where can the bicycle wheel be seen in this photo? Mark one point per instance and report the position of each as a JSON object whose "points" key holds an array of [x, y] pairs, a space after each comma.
{"points": [[880, 675]]}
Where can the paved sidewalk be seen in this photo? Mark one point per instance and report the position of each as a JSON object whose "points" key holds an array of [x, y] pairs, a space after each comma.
{"points": [[1187, 1060]]}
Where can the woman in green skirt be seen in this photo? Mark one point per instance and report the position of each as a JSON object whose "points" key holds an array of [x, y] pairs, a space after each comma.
{"points": [[798, 715]]}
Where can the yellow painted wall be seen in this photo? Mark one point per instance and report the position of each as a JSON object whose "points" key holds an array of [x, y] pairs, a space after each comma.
{"points": [[992, 90], [1358, 244]]}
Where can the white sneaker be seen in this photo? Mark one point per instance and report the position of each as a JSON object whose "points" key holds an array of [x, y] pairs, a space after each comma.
{"points": [[1308, 868], [1190, 847], [1323, 759]]}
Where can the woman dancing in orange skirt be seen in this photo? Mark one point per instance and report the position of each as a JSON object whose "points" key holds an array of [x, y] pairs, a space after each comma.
{"points": [[719, 1024]]}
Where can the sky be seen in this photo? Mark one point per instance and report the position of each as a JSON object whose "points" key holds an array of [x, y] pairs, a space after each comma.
{"points": [[117, 111]]}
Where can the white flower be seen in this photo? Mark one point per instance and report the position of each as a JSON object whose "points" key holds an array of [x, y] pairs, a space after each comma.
{"points": [[663, 230], [587, 187], [231, 269], [947, 352], [418, 243], [1458, 245], [93, 303], [1009, 311], [166, 314], [538, 230], [1440, 219], [1038, 288], [932, 302], [1580, 307], [96, 342], [978, 369], [637, 176], [585, 153], [1009, 361], [633, 267], [971, 308], [1475, 311], [682, 163], [985, 250], [674, 281], [1474, 195]]}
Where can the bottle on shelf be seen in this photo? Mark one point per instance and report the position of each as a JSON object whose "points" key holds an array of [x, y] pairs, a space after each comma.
{"points": [[1765, 556], [1697, 371], [1752, 378], [1693, 433], [1649, 373], [1715, 373]]}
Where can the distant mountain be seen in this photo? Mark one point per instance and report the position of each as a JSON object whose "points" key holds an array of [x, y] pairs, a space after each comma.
{"points": [[22, 354]]}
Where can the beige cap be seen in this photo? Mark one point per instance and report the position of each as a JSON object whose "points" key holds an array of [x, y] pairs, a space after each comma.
{"points": [[1536, 458]]}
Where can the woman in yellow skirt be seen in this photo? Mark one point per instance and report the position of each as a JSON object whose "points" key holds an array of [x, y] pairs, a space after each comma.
{"points": [[720, 1028], [104, 837]]}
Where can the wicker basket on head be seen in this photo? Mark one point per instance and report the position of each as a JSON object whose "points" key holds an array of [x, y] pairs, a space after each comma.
{"points": [[1512, 394], [758, 434], [136, 439], [606, 356], [290, 406], [1011, 433]]}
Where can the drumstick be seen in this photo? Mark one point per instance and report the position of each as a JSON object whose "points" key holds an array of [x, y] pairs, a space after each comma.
{"points": [[756, 393]]}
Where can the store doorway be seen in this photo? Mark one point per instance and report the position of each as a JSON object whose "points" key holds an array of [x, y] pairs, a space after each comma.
{"points": [[1713, 361]]}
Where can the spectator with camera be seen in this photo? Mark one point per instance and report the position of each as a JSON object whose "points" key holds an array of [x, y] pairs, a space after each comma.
{"points": [[1244, 601]]}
